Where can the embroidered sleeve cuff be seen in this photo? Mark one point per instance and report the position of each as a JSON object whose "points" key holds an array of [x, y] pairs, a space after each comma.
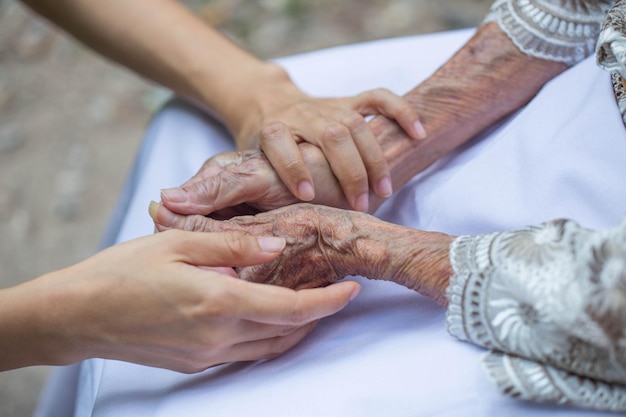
{"points": [[557, 30]]}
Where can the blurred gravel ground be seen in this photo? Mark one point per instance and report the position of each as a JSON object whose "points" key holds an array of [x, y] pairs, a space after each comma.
{"points": [[70, 122]]}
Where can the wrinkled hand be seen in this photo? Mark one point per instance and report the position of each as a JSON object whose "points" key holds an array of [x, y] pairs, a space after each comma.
{"points": [[236, 183], [325, 244], [336, 126], [319, 249], [147, 301]]}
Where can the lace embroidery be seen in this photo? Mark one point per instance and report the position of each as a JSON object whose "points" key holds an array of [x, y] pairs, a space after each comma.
{"points": [[554, 298], [558, 30], [513, 375], [611, 52]]}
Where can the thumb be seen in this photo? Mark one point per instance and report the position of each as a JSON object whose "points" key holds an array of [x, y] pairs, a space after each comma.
{"points": [[228, 249]]}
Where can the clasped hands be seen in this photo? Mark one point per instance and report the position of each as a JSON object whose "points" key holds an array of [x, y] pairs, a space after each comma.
{"points": [[240, 191]]}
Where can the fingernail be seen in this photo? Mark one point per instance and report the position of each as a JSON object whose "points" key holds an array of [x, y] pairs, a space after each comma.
{"points": [[419, 129], [306, 191], [161, 215], [174, 195], [153, 209], [271, 243], [362, 202], [384, 187]]}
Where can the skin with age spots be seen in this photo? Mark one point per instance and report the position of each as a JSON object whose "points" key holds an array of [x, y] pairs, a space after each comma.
{"points": [[325, 244]]}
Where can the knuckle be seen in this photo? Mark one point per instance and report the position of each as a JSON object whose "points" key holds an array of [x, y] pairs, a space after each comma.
{"points": [[382, 92], [200, 190], [376, 95], [354, 121], [376, 162], [302, 107], [213, 189], [272, 132], [357, 177], [291, 163], [196, 223], [335, 132]]}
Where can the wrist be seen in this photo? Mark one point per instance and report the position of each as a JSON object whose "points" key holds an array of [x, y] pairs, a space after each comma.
{"points": [[254, 92], [31, 329], [380, 250]]}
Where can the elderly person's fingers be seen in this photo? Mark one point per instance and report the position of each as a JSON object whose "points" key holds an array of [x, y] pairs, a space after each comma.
{"points": [[251, 180], [313, 257], [249, 184], [165, 219]]}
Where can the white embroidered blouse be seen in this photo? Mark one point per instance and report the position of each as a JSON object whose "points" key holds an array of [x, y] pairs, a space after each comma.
{"points": [[549, 302]]}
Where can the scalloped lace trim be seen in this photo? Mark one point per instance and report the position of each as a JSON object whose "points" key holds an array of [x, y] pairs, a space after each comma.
{"points": [[558, 30], [528, 380]]}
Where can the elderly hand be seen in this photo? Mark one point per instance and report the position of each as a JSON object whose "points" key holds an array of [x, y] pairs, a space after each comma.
{"points": [[325, 244], [314, 255], [235, 183], [165, 300]]}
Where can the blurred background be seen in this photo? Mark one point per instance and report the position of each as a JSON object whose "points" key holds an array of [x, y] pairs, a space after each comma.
{"points": [[71, 122]]}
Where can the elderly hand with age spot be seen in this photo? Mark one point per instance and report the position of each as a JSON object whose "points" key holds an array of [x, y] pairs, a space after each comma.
{"points": [[326, 244]]}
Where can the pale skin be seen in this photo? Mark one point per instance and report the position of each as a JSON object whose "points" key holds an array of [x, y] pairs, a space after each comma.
{"points": [[255, 99], [486, 80], [147, 301]]}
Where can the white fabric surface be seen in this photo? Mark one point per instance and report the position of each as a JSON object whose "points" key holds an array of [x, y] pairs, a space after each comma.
{"points": [[388, 353]]}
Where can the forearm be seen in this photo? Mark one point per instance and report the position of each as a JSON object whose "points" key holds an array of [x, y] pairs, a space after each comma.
{"points": [[483, 82], [164, 42], [29, 333], [416, 259]]}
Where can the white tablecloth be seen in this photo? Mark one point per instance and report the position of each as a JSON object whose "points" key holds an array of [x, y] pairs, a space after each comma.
{"points": [[387, 353]]}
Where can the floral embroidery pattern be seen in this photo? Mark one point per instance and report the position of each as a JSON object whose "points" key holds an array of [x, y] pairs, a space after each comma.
{"points": [[550, 304]]}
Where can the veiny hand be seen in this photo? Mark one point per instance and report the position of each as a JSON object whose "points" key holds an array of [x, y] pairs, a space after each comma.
{"points": [[325, 244], [236, 183], [312, 257], [147, 301]]}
